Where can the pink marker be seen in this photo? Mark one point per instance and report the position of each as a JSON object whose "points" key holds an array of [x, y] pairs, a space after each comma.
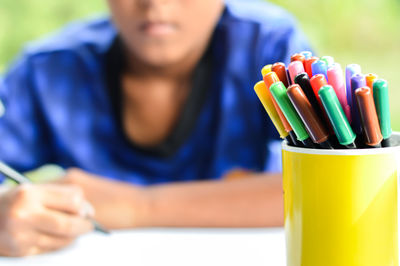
{"points": [[336, 80], [295, 68]]}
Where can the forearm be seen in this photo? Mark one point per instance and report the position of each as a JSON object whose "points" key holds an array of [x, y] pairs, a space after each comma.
{"points": [[255, 201]]}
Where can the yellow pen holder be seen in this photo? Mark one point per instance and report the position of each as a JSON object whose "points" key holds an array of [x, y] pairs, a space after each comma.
{"points": [[341, 206]]}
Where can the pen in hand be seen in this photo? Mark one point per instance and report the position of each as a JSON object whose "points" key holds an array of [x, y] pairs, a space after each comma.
{"points": [[19, 178]]}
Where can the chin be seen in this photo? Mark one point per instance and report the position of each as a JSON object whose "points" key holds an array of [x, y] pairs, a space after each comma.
{"points": [[160, 58]]}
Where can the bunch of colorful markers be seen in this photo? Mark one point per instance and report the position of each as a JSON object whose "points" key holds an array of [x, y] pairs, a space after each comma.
{"points": [[313, 104]]}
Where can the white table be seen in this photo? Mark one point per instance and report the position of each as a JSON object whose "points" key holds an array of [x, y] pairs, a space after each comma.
{"points": [[176, 247]]}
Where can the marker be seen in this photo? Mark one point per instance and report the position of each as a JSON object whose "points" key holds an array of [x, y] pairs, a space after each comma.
{"points": [[295, 68], [304, 82], [341, 126], [336, 80], [278, 91], [328, 60], [369, 118], [266, 99], [19, 178], [381, 99], [298, 57], [317, 82], [319, 67], [312, 122], [288, 77], [369, 80], [350, 71], [307, 54], [307, 65], [266, 69], [357, 81], [280, 69], [269, 79]]}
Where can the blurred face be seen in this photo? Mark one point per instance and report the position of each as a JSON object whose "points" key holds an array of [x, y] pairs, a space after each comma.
{"points": [[163, 32]]}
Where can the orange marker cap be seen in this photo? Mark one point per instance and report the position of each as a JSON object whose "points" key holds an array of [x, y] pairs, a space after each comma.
{"points": [[280, 69], [297, 57], [370, 78]]}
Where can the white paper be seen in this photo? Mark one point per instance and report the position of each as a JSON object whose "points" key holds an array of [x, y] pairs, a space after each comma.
{"points": [[177, 247]]}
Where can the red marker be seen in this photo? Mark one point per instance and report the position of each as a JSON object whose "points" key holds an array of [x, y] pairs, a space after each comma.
{"points": [[307, 65], [280, 70], [317, 82], [295, 68]]}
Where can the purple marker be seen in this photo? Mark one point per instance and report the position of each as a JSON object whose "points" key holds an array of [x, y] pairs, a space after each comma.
{"points": [[319, 67], [356, 81], [350, 71], [288, 77]]}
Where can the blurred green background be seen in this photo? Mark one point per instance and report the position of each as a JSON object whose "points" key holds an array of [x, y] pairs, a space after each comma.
{"points": [[359, 31]]}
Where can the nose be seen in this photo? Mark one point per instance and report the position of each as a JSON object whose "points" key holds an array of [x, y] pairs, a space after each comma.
{"points": [[151, 3]]}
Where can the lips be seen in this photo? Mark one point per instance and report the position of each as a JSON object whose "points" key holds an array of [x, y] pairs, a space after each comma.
{"points": [[158, 29]]}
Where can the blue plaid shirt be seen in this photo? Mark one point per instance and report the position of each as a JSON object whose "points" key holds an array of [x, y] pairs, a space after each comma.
{"points": [[57, 109]]}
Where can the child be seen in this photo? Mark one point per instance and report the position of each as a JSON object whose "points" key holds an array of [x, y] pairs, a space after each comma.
{"points": [[136, 106]]}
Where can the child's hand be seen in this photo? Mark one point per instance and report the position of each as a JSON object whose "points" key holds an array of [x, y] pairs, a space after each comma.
{"points": [[40, 218]]}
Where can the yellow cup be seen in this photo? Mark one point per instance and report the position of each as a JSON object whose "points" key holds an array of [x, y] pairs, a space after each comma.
{"points": [[341, 206]]}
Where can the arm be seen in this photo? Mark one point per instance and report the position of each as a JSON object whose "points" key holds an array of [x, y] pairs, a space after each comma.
{"points": [[253, 201]]}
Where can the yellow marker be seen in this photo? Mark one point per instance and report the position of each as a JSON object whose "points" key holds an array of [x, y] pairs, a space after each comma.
{"points": [[370, 78], [266, 69], [265, 97]]}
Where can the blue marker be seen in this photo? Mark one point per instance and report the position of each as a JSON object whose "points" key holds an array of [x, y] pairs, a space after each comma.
{"points": [[307, 54], [350, 71], [319, 67], [357, 81]]}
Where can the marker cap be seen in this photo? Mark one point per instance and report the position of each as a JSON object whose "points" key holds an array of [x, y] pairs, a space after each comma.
{"points": [[298, 57], [295, 68], [307, 54], [266, 69], [381, 98], [312, 122], [350, 71], [336, 80], [278, 91], [307, 65], [357, 81], [280, 69], [369, 118], [341, 126], [370, 78], [319, 67], [328, 60], [269, 79], [317, 82], [266, 99]]}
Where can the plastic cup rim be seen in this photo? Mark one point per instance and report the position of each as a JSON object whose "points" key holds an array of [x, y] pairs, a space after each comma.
{"points": [[368, 151]]}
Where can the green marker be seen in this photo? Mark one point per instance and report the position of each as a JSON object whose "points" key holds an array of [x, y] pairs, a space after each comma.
{"points": [[336, 115], [328, 60], [381, 99], [278, 91]]}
